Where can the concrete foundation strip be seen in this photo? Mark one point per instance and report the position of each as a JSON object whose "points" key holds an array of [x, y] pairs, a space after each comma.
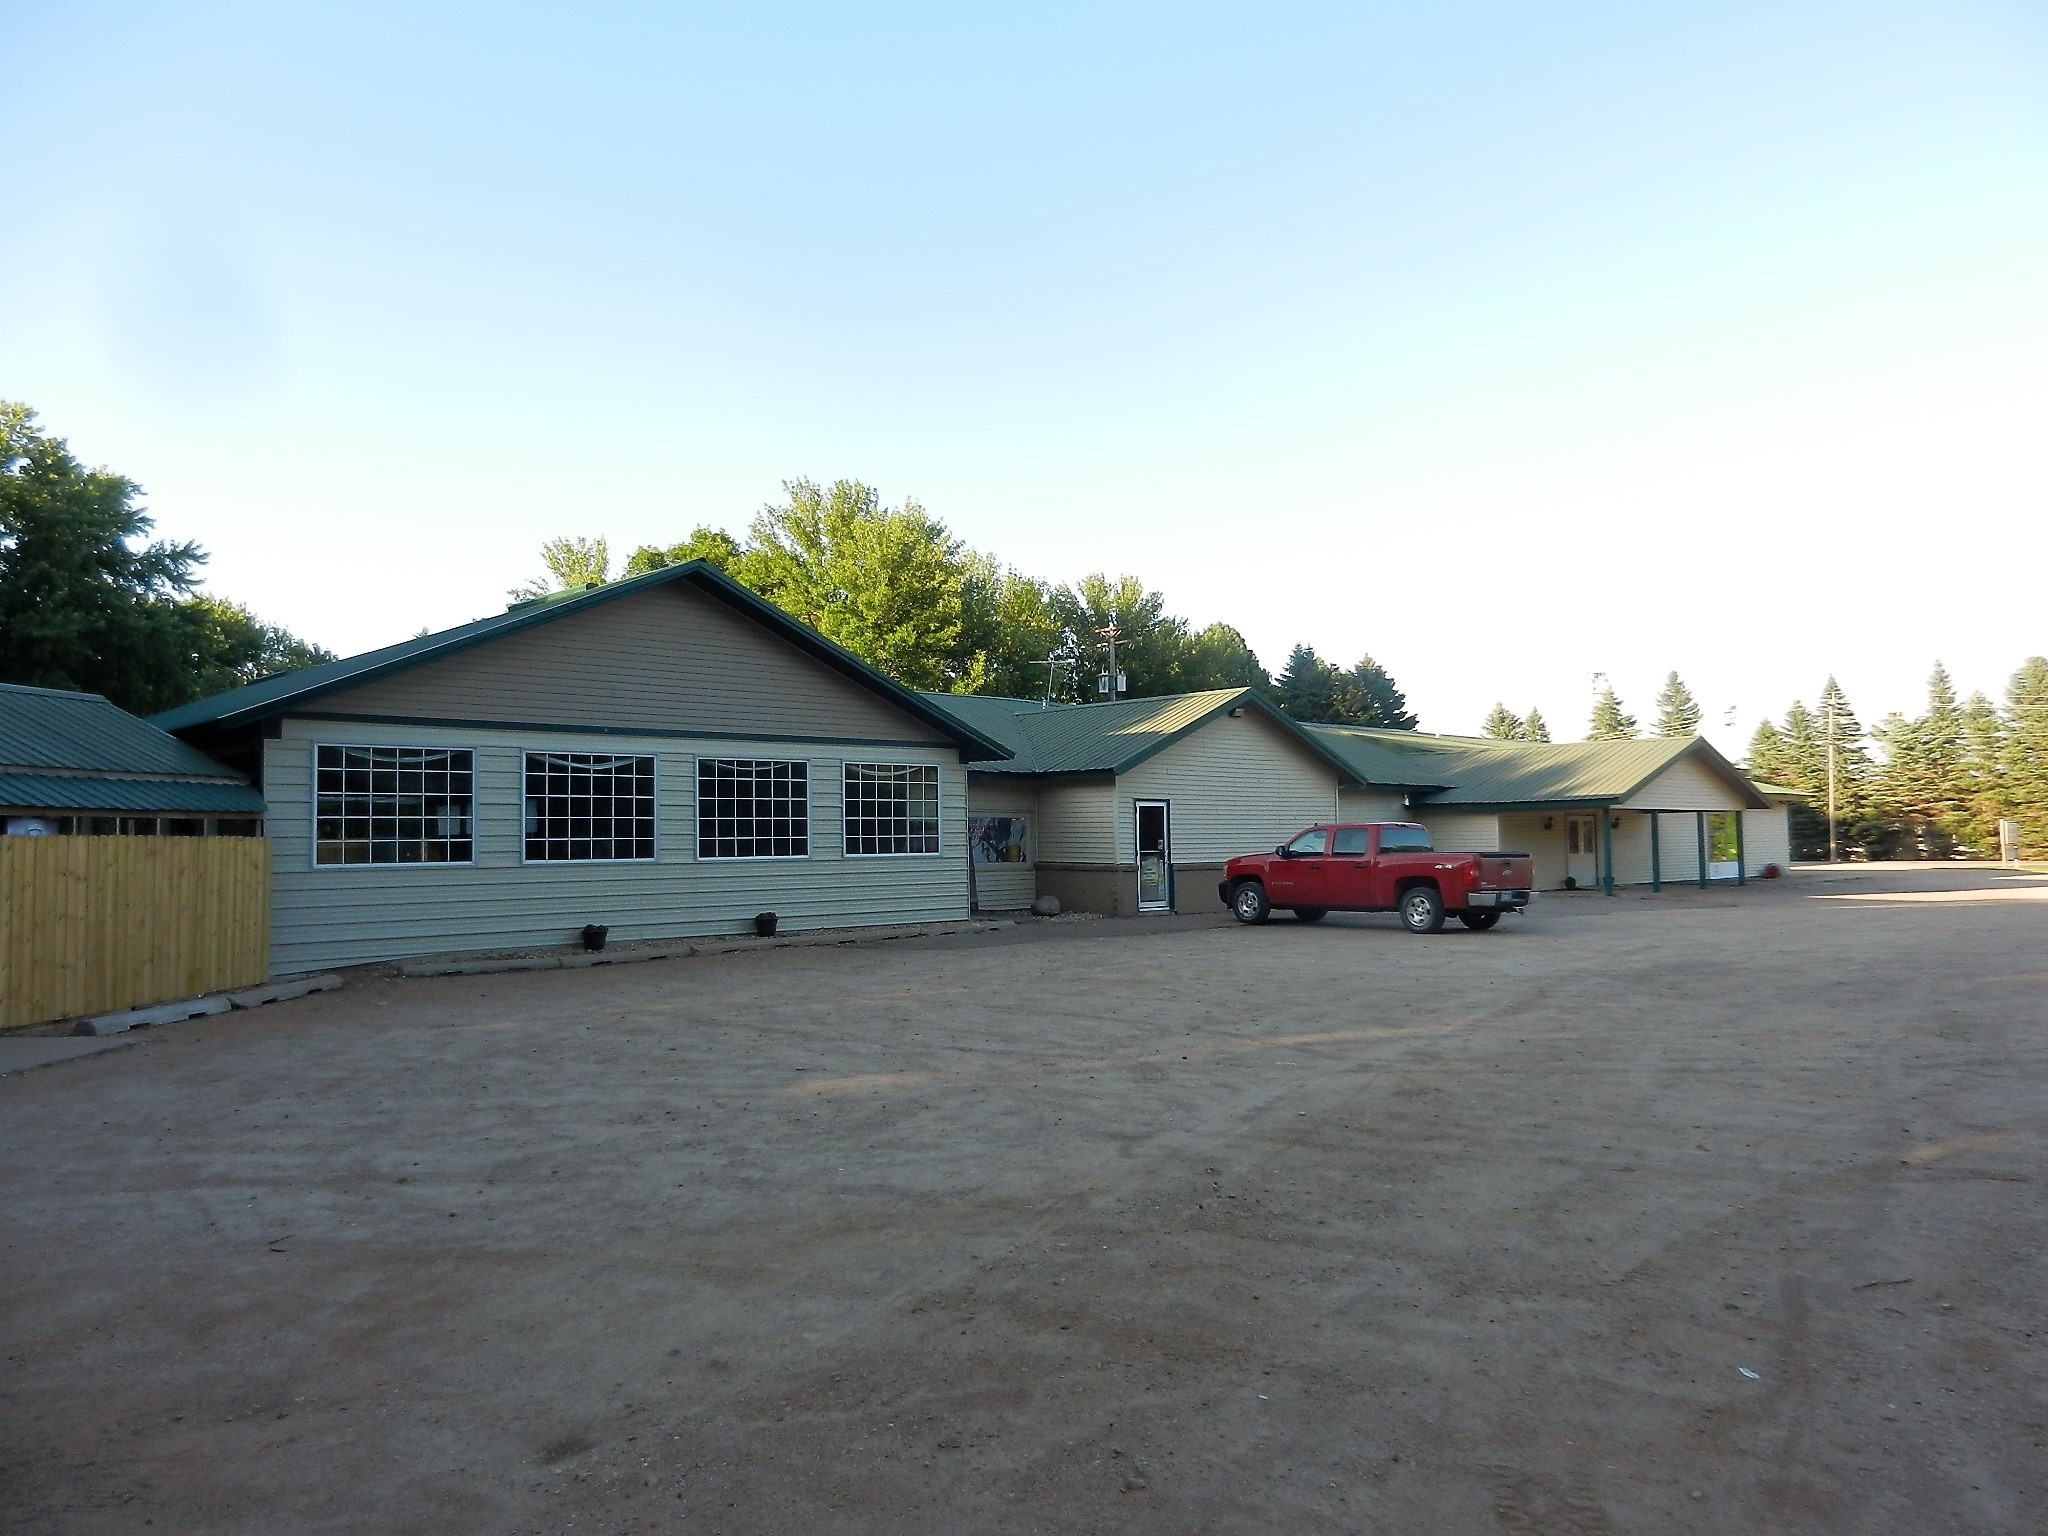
{"points": [[581, 961]]}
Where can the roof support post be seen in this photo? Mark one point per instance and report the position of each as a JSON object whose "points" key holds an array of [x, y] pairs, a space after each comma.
{"points": [[1656, 853], [1741, 853], [1699, 820], [1607, 849]]}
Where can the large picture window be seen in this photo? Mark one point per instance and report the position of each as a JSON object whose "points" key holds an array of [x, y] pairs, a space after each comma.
{"points": [[393, 805], [753, 808], [891, 808], [588, 805]]}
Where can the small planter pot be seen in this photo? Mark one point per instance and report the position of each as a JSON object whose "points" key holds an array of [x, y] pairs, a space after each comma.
{"points": [[764, 924], [594, 935]]}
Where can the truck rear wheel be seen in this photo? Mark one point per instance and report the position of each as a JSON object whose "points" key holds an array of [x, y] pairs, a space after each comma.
{"points": [[1422, 909], [1248, 903], [1480, 920]]}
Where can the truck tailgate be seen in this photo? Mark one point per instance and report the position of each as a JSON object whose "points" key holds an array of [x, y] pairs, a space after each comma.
{"points": [[1504, 872]]}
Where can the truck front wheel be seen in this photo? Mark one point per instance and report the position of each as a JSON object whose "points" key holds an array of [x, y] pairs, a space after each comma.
{"points": [[1480, 920], [1248, 903], [1422, 910]]}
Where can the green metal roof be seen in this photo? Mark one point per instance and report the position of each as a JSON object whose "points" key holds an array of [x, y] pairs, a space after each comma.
{"points": [[82, 732], [289, 691], [73, 792], [1106, 738], [1478, 771]]}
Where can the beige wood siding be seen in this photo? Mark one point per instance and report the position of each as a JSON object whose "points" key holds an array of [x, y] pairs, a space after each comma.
{"points": [[1525, 833], [1237, 786], [1006, 887], [671, 659], [1767, 839], [1077, 821], [1371, 805], [345, 915], [1459, 831], [1687, 785]]}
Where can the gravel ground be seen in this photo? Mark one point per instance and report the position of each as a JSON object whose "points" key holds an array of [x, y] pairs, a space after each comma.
{"points": [[1699, 1212]]}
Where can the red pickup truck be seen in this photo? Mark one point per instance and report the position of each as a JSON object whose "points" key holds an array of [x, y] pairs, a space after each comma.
{"points": [[1383, 866]]}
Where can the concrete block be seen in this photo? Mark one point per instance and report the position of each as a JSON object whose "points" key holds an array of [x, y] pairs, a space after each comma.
{"points": [[156, 1013], [279, 991]]}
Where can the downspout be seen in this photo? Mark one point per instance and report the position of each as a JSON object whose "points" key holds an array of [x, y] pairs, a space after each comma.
{"points": [[1700, 827], [1656, 853]]}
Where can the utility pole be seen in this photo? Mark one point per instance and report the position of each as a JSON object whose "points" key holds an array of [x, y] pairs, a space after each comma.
{"points": [[1831, 778], [1109, 632]]}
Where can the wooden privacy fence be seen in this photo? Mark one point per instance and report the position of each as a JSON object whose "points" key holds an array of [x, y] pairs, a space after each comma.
{"points": [[91, 924]]}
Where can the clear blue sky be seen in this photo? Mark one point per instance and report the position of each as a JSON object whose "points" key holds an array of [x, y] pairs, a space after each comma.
{"points": [[1507, 343]]}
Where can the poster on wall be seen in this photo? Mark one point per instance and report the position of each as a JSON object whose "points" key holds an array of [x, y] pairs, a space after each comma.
{"points": [[1000, 839]]}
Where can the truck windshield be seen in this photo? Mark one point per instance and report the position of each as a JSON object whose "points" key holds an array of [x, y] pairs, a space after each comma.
{"points": [[1404, 840]]}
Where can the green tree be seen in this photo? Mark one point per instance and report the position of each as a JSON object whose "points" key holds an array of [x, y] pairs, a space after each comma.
{"points": [[1008, 624], [1534, 726], [1366, 695], [714, 546], [229, 646], [1502, 723], [1678, 712], [1921, 783], [1220, 657], [2023, 777], [572, 565], [1980, 770], [87, 600], [1150, 642], [1610, 721], [884, 582], [1307, 686]]}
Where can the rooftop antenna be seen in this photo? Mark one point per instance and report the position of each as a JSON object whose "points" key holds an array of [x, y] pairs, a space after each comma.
{"points": [[1051, 665]]}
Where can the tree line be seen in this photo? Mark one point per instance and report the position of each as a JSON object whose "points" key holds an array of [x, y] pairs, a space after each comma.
{"points": [[1947, 777], [1929, 786], [89, 602], [893, 585]]}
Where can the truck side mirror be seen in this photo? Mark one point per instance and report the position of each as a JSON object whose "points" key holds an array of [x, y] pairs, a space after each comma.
{"points": [[1281, 852]]}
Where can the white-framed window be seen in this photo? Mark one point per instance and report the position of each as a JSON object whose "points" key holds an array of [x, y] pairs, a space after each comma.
{"points": [[753, 808], [586, 806], [393, 805], [891, 809]]}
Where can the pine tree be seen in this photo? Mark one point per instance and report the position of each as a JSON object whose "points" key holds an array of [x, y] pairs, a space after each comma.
{"points": [[1921, 783], [2023, 781], [1503, 724], [1980, 769], [1534, 727], [1367, 695], [1859, 819], [1307, 685], [1767, 757], [1610, 722], [1678, 712]]}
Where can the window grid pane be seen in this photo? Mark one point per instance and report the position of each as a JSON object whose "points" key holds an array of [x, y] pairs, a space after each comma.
{"points": [[753, 808], [891, 808], [393, 805], [583, 806]]}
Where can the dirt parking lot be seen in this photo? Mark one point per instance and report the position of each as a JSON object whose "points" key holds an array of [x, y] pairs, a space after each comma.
{"points": [[1700, 1212]]}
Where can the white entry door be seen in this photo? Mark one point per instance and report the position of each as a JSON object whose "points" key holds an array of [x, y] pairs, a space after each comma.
{"points": [[1582, 850]]}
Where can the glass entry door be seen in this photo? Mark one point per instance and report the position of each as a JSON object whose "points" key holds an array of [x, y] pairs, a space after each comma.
{"points": [[1153, 841]]}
